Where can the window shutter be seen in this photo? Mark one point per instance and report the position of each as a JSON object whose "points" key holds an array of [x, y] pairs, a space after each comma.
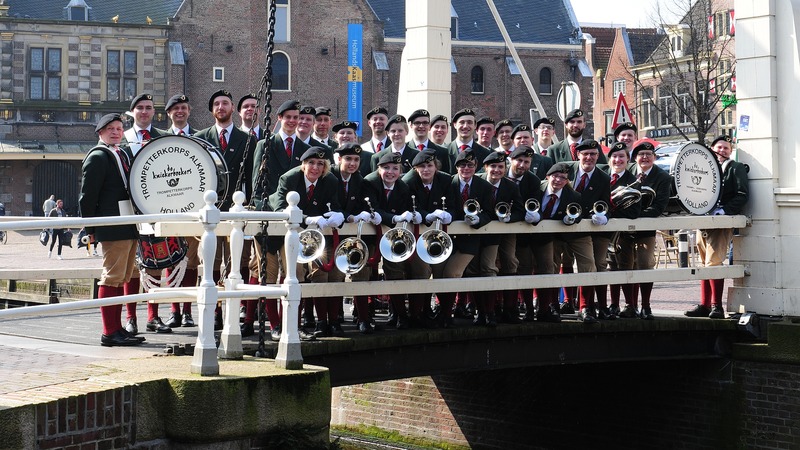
{"points": [[732, 29], [711, 26]]}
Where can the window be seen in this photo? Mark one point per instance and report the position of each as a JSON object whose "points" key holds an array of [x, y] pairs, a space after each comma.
{"points": [[218, 74], [683, 110], [280, 71], [453, 23], [649, 110], [477, 80], [282, 26], [665, 107], [608, 118], [381, 63], [726, 118], [512, 66], [122, 70], [722, 23], [545, 81], [45, 73], [677, 44], [619, 87]]}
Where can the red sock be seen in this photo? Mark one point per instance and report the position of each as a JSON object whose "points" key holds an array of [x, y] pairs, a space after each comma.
{"points": [[110, 315], [131, 288], [273, 314]]}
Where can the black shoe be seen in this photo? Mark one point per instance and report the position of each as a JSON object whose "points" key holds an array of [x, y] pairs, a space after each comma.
{"points": [[275, 334], [716, 312], [603, 313], [402, 322], [118, 339], [323, 329], [125, 332], [480, 320], [365, 328], [308, 321], [549, 314], [461, 312], [305, 336], [698, 311], [567, 308], [187, 320], [628, 312], [587, 316], [336, 329], [131, 327], [174, 320], [491, 322], [614, 310], [247, 329], [647, 313], [530, 316], [158, 326]]}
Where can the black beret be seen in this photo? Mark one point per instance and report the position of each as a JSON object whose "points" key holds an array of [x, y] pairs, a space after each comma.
{"points": [[246, 96], [345, 124], [618, 146], [560, 167], [522, 150], [419, 113], [315, 152], [643, 146], [175, 99], [390, 158], [587, 144], [397, 118], [503, 123], [521, 127], [308, 110], [139, 98], [465, 157], [625, 126], [322, 111], [289, 105], [105, 120], [377, 110], [349, 148], [573, 114], [544, 120], [494, 157], [463, 112], [727, 139], [483, 121], [221, 92], [438, 118], [425, 156]]}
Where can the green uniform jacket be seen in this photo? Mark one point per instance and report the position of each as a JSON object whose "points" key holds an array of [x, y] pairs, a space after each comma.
{"points": [[102, 188]]}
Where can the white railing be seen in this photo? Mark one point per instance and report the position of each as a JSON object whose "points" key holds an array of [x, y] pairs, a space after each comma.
{"points": [[238, 222]]}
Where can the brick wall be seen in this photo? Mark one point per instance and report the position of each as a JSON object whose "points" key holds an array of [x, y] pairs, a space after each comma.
{"points": [[674, 404]]}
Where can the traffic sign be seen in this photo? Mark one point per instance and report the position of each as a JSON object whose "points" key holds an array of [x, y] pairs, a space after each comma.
{"points": [[569, 98], [621, 113]]}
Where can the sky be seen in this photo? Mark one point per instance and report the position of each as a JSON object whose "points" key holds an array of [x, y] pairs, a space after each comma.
{"points": [[632, 13]]}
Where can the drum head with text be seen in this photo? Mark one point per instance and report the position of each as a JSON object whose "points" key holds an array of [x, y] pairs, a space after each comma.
{"points": [[697, 178], [170, 174]]}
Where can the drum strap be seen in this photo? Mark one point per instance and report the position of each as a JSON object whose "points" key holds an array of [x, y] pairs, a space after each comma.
{"points": [[115, 156]]}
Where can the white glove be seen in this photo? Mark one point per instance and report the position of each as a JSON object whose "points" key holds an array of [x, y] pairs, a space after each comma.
{"points": [[506, 219], [471, 219], [375, 219], [446, 217], [314, 220], [431, 217], [416, 218], [405, 217], [532, 217], [569, 220], [718, 212], [323, 223], [335, 219], [598, 219], [364, 215]]}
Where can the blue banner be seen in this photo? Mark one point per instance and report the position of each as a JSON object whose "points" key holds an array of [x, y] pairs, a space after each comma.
{"points": [[354, 73]]}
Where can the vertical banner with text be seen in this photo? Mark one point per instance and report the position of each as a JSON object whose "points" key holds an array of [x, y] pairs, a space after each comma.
{"points": [[354, 86]]}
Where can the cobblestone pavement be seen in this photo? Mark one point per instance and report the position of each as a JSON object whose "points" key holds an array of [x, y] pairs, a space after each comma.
{"points": [[45, 354]]}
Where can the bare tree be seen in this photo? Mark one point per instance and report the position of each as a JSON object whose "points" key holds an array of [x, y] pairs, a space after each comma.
{"points": [[685, 83]]}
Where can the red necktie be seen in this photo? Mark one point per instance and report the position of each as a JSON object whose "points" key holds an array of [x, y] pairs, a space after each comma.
{"points": [[465, 194], [548, 209], [380, 146], [614, 179], [573, 150], [253, 133], [642, 176], [427, 189], [421, 147], [386, 193], [223, 142], [181, 133], [145, 135], [310, 192], [344, 183], [289, 147], [463, 147], [582, 184], [123, 158]]}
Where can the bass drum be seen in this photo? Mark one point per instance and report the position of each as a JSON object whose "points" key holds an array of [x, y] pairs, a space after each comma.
{"points": [[696, 179], [170, 174]]}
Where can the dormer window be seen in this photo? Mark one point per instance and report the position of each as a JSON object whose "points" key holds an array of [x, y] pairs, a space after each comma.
{"points": [[77, 10], [678, 38]]}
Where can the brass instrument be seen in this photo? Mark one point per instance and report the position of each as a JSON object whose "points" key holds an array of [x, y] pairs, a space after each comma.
{"points": [[352, 253], [600, 208], [472, 207], [312, 245], [573, 212], [398, 244], [532, 205], [435, 246], [503, 210], [648, 195]]}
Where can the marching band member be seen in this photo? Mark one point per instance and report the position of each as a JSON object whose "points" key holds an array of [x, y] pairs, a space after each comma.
{"points": [[545, 128], [626, 134], [397, 129], [318, 188], [523, 136], [322, 125], [484, 129], [392, 202], [305, 127], [565, 150], [376, 120], [642, 243], [345, 132], [439, 129], [503, 130], [712, 245], [464, 124], [284, 149], [420, 121]]}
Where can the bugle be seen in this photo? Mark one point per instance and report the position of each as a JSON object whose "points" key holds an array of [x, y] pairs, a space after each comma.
{"points": [[352, 253]]}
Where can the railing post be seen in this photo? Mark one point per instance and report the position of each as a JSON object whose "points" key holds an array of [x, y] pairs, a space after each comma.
{"points": [[683, 248], [230, 341], [204, 361], [289, 354]]}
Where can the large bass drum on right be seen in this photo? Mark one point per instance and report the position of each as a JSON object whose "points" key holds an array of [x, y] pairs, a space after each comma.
{"points": [[696, 177]]}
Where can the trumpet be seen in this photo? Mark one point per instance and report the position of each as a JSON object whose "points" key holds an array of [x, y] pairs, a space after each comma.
{"points": [[434, 246], [472, 207], [352, 254], [532, 205], [600, 208], [398, 244], [574, 211], [503, 209]]}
